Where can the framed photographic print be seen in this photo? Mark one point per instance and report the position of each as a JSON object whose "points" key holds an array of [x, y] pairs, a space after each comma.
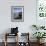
{"points": [[17, 13]]}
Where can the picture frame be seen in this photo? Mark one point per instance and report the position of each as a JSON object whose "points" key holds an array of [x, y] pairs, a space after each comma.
{"points": [[17, 13]]}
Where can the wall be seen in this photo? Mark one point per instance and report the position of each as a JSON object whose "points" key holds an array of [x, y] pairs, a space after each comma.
{"points": [[29, 15]]}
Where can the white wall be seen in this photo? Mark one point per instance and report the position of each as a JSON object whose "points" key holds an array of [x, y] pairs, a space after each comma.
{"points": [[29, 15]]}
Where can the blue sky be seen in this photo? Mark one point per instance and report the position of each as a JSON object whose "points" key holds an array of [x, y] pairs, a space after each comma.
{"points": [[17, 10]]}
